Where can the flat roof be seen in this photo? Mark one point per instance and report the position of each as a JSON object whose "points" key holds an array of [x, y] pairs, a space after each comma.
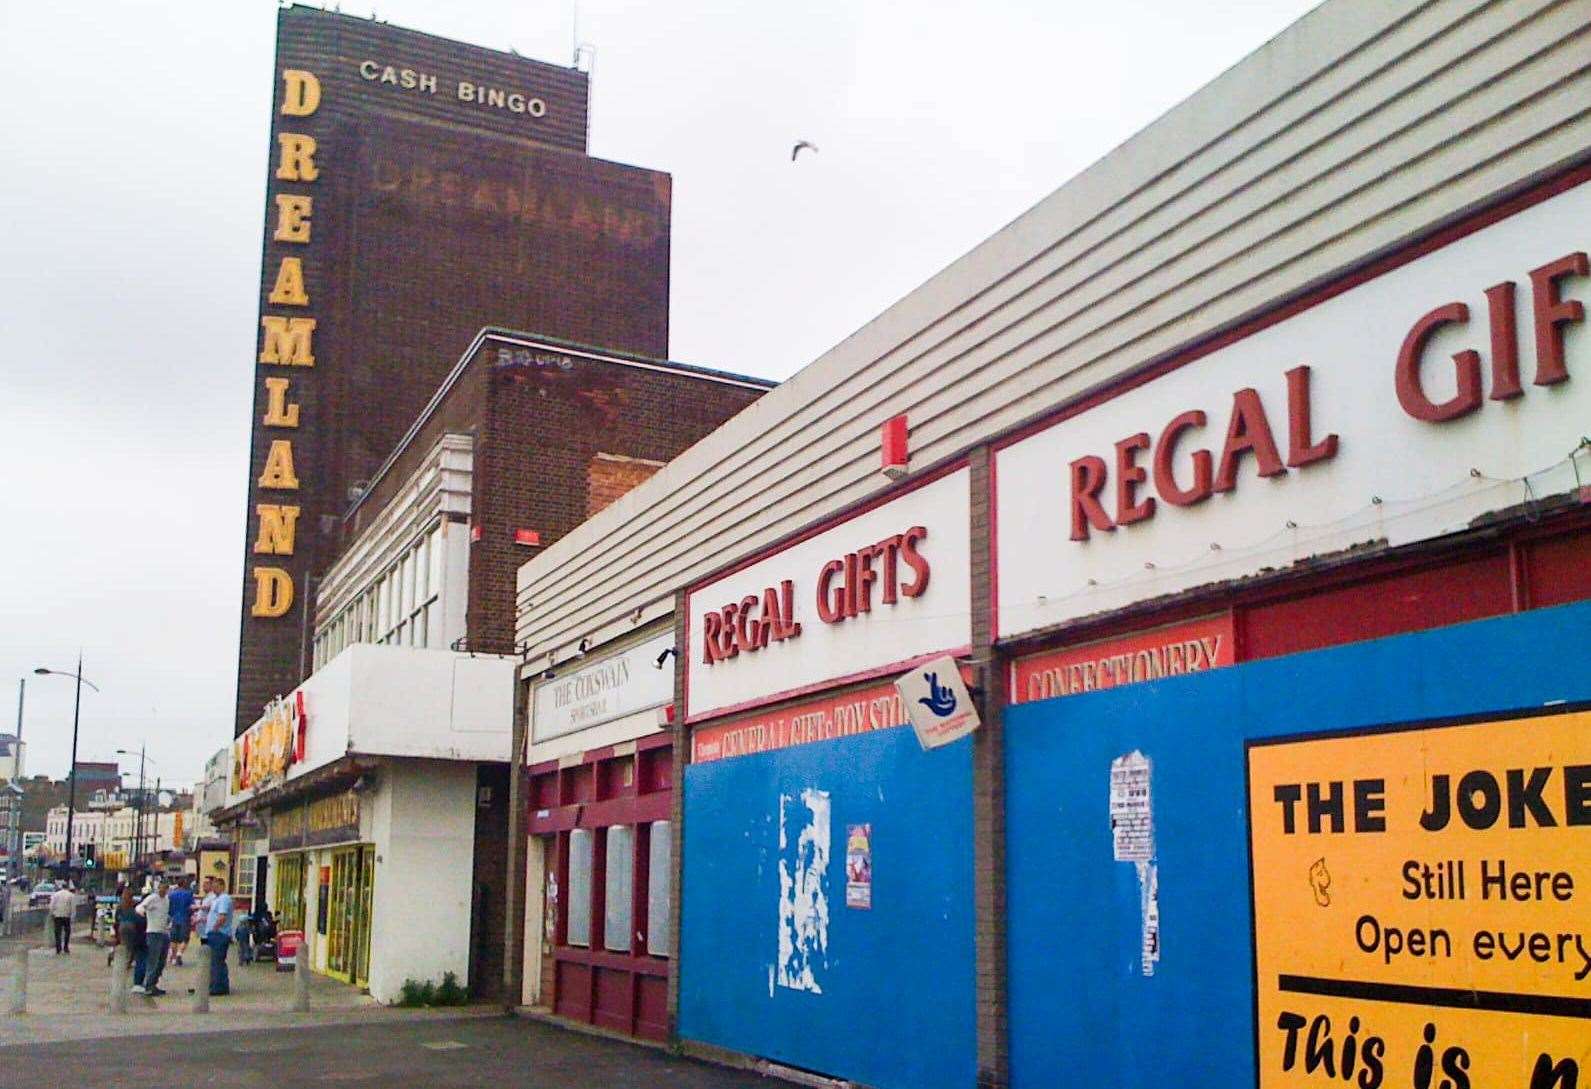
{"points": [[527, 339]]}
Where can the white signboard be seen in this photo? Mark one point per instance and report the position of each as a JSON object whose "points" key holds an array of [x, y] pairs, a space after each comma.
{"points": [[882, 588], [937, 702], [604, 690], [1403, 408]]}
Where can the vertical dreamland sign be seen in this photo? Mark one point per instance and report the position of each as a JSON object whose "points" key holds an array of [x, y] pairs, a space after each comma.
{"points": [[1421, 912]]}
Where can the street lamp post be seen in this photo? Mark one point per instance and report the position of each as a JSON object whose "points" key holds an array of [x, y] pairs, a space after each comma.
{"points": [[138, 819], [141, 822], [71, 779], [14, 843]]}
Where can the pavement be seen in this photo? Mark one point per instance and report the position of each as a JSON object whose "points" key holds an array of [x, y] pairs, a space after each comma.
{"points": [[69, 998], [438, 1053]]}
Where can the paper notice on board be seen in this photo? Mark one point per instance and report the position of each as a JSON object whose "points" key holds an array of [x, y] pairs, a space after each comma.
{"points": [[859, 866], [1131, 823], [1132, 831]]}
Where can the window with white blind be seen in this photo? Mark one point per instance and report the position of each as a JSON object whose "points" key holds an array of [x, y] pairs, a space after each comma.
{"points": [[659, 883], [578, 928], [618, 905]]}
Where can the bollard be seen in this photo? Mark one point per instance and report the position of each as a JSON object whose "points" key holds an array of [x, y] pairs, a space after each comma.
{"points": [[19, 984], [201, 981], [301, 979], [120, 965]]}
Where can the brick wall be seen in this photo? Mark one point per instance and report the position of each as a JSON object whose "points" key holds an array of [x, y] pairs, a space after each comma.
{"points": [[611, 475], [545, 427], [432, 218]]}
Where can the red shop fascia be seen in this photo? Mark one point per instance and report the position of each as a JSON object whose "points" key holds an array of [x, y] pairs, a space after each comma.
{"points": [[1399, 450], [844, 604]]}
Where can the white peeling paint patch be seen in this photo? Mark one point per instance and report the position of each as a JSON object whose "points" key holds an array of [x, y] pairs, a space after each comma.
{"points": [[803, 892], [1132, 831], [1149, 896]]}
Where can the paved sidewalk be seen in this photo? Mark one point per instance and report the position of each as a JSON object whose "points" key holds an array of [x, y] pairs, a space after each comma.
{"points": [[445, 1053], [69, 999]]}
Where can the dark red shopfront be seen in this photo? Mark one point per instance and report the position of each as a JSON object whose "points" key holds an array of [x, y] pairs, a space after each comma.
{"points": [[603, 825]]}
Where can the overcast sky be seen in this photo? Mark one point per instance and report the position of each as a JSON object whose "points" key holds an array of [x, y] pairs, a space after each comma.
{"points": [[133, 141]]}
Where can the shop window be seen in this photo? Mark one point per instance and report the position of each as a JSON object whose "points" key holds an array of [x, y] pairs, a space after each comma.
{"points": [[581, 846], [246, 877], [659, 884], [290, 892], [619, 889]]}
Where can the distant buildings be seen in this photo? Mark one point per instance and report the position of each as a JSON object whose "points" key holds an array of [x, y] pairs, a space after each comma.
{"points": [[12, 752]]}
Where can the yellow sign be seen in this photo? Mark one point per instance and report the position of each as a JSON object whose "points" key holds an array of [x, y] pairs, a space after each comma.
{"points": [[336, 813], [1422, 906], [286, 341]]}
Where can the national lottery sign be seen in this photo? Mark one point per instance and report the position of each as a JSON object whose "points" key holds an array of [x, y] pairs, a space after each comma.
{"points": [[1422, 905]]}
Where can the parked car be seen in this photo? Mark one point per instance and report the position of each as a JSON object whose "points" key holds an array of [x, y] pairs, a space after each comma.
{"points": [[40, 897]]}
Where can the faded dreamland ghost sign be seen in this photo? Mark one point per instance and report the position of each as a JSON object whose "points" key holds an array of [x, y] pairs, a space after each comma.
{"points": [[1420, 905]]}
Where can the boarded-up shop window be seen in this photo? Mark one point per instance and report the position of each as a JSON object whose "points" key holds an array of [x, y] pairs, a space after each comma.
{"points": [[611, 475], [580, 848], [659, 872], [618, 905]]}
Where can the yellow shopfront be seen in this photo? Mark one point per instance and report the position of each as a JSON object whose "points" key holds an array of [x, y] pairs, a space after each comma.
{"points": [[323, 885]]}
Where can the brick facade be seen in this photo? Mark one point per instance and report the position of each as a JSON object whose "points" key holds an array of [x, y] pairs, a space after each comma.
{"points": [[558, 431], [431, 216], [543, 428], [609, 476]]}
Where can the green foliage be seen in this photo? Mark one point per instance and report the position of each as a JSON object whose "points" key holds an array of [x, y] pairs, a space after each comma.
{"points": [[416, 993], [450, 993]]}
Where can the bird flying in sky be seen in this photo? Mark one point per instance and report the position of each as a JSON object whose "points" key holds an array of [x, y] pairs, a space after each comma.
{"points": [[808, 144]]}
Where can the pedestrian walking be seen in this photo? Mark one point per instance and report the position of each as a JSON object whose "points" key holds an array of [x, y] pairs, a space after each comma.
{"points": [[156, 910], [127, 926], [63, 902], [218, 924], [180, 904]]}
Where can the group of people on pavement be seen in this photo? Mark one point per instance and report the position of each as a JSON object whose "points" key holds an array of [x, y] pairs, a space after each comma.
{"points": [[158, 927]]}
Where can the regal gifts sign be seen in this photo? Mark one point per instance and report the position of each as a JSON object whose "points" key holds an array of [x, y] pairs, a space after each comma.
{"points": [[869, 593], [1398, 409]]}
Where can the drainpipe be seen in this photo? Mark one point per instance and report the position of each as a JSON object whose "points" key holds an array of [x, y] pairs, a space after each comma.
{"points": [[514, 906]]}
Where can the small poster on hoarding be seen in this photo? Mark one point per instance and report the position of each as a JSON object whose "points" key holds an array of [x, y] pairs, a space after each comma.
{"points": [[859, 866]]}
